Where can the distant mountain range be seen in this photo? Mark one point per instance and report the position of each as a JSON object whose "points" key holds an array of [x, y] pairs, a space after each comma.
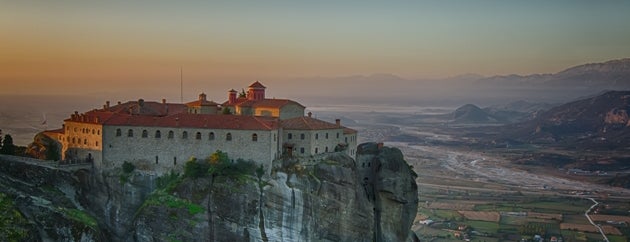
{"points": [[560, 87], [612, 75]]}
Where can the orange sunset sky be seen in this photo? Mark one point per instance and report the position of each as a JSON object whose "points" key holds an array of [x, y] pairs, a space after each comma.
{"points": [[112, 47]]}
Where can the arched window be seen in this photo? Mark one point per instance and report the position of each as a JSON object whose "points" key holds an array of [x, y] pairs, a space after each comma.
{"points": [[85, 141], [78, 141], [211, 136], [96, 144], [156, 159], [254, 137], [316, 150], [93, 132], [228, 136], [130, 133], [185, 135], [145, 133], [198, 135], [301, 136], [346, 139], [316, 137], [326, 135], [74, 140], [158, 134], [326, 148], [290, 136], [337, 135], [118, 132], [98, 132], [171, 134], [302, 150]]}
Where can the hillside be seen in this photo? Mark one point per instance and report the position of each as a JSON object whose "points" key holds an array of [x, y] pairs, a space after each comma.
{"points": [[600, 121], [470, 113]]}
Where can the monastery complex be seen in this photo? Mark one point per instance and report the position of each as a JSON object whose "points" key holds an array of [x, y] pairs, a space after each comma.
{"points": [[164, 135]]}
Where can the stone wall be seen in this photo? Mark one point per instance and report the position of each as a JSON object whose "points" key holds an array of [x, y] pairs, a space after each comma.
{"points": [[291, 110], [315, 141], [164, 154], [80, 136]]}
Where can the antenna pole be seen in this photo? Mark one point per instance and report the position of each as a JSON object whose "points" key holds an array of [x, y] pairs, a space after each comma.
{"points": [[181, 84]]}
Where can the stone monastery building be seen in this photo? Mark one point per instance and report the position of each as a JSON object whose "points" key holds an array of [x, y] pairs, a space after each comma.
{"points": [[165, 135]]}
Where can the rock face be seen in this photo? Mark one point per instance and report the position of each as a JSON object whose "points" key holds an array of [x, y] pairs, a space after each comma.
{"points": [[45, 205], [330, 198], [392, 188]]}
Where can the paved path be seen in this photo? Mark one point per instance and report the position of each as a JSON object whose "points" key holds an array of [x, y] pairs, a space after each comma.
{"points": [[591, 221], [48, 164]]}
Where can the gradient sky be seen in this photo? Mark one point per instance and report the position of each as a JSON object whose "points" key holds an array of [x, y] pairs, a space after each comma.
{"points": [[100, 47]]}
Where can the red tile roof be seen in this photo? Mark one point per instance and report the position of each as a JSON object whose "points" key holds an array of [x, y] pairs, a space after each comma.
{"points": [[349, 131], [201, 103], [266, 103], [307, 123], [257, 84], [149, 108], [210, 121]]}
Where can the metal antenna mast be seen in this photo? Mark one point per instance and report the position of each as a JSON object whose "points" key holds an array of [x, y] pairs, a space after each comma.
{"points": [[181, 84]]}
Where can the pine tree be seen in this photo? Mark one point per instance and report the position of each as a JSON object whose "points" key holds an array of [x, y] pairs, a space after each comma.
{"points": [[7, 146], [243, 94]]}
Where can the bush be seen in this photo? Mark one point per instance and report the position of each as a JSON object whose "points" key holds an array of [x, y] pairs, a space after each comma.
{"points": [[128, 167], [218, 164]]}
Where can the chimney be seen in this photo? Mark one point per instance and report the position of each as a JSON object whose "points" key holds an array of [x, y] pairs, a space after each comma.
{"points": [[202, 97], [107, 104], [309, 114], [163, 100], [338, 122], [232, 96], [119, 102]]}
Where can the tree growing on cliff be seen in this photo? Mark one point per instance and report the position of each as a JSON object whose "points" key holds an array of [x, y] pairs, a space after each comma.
{"points": [[8, 148]]}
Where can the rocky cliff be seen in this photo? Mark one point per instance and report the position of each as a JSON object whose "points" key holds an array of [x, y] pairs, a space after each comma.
{"points": [[330, 198]]}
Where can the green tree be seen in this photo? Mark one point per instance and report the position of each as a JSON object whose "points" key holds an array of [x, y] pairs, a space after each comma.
{"points": [[52, 152], [226, 110], [8, 148], [243, 94]]}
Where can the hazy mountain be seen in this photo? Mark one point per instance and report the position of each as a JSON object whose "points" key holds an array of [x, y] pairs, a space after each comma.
{"points": [[614, 74], [470, 113], [600, 121], [559, 87]]}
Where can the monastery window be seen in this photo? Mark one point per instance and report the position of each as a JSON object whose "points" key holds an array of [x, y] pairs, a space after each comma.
{"points": [[145, 133], [96, 144], [302, 150], [326, 148], [93, 132], [78, 141], [118, 132], [274, 137], [85, 141], [174, 160], [73, 140], [130, 133], [185, 135], [315, 150], [301, 136], [171, 134], [254, 137], [316, 137], [198, 135], [211, 136], [346, 139], [158, 134], [156, 159], [326, 135], [98, 132], [290, 136], [228, 136], [337, 135]]}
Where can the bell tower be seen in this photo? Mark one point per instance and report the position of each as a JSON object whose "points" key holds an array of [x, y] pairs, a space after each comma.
{"points": [[256, 91]]}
